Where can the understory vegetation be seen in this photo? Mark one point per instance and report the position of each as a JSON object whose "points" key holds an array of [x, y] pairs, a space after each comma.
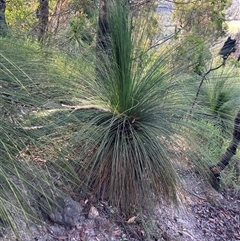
{"points": [[114, 124]]}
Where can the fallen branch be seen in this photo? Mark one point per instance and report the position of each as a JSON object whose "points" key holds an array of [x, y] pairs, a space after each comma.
{"points": [[86, 107], [196, 195], [72, 107]]}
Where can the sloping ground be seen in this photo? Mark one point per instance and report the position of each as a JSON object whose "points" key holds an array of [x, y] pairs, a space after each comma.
{"points": [[207, 215], [204, 216], [220, 221]]}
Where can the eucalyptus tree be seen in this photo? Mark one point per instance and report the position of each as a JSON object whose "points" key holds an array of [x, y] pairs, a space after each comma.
{"points": [[68, 23], [202, 18], [103, 28], [200, 23], [42, 13], [3, 24]]}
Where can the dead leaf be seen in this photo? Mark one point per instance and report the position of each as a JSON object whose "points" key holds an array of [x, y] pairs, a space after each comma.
{"points": [[116, 232], [60, 237], [132, 219]]}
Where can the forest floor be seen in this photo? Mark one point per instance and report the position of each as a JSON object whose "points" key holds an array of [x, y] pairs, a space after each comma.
{"points": [[204, 215], [207, 214]]}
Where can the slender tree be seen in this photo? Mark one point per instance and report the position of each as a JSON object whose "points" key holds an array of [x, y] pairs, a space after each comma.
{"points": [[202, 18], [103, 29], [3, 24], [59, 16], [43, 15]]}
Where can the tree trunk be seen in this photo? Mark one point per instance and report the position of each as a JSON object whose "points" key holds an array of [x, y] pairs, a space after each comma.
{"points": [[3, 24], [103, 28], [60, 16], [231, 150], [42, 15], [102, 41]]}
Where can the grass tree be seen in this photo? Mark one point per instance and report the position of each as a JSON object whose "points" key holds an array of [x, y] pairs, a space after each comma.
{"points": [[23, 92], [216, 107], [221, 97], [135, 117]]}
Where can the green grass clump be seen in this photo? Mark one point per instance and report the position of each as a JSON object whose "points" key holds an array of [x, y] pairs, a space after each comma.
{"points": [[29, 79]]}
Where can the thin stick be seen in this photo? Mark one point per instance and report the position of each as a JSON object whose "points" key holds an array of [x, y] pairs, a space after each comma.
{"points": [[201, 83]]}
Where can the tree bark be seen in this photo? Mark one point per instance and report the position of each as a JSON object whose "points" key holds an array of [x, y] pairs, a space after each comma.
{"points": [[42, 15], [102, 41], [231, 150], [103, 28], [3, 24], [60, 16]]}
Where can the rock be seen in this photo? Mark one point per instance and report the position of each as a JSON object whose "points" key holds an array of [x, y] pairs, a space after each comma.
{"points": [[68, 214], [93, 213]]}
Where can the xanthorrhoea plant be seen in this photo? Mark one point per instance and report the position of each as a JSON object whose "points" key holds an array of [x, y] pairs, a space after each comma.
{"points": [[124, 148], [220, 97], [24, 85]]}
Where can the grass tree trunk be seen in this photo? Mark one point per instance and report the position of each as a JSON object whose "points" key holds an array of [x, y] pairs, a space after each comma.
{"points": [[231, 150], [3, 24], [42, 15]]}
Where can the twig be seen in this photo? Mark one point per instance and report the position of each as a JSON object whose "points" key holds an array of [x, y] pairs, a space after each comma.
{"points": [[196, 195], [158, 43], [72, 107], [86, 107], [201, 83]]}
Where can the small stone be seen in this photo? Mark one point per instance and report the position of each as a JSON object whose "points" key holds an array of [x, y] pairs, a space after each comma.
{"points": [[68, 214], [93, 213]]}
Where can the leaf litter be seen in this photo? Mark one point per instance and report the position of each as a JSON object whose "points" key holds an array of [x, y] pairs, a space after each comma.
{"points": [[206, 215]]}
